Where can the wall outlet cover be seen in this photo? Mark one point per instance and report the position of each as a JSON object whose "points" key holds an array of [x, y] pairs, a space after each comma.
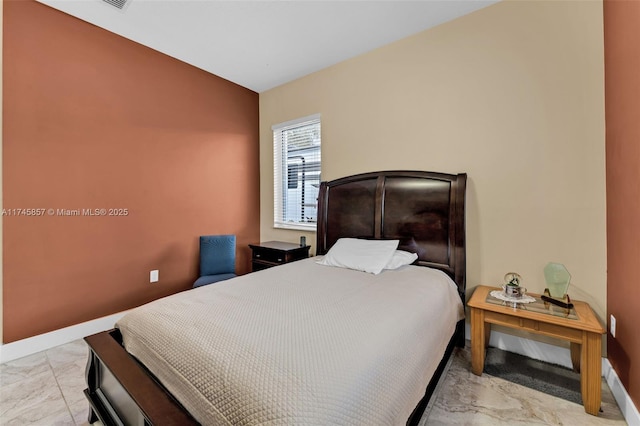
{"points": [[612, 327]]}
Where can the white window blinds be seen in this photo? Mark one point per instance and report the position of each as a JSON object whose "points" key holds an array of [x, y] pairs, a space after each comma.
{"points": [[296, 179]]}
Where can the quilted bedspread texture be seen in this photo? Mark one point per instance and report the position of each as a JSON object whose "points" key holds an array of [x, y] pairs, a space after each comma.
{"points": [[299, 344]]}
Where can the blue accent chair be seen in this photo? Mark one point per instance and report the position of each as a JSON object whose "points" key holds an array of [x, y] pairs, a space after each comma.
{"points": [[217, 259]]}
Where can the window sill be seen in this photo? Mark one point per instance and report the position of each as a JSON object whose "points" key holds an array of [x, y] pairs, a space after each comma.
{"points": [[296, 227]]}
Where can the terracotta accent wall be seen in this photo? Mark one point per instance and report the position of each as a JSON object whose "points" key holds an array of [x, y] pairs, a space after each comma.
{"points": [[1, 217], [622, 101], [95, 121]]}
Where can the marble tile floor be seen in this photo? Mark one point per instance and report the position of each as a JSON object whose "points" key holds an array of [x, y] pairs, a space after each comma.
{"points": [[462, 398], [46, 389]]}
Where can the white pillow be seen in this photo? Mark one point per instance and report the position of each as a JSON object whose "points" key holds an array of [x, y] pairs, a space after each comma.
{"points": [[401, 258], [362, 255]]}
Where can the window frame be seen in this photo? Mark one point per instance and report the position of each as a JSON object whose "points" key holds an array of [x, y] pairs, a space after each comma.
{"points": [[280, 169]]}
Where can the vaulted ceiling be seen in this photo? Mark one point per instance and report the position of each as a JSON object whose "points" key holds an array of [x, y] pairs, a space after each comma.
{"points": [[263, 44]]}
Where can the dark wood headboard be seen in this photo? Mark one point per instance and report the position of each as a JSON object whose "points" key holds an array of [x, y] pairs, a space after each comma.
{"points": [[424, 210]]}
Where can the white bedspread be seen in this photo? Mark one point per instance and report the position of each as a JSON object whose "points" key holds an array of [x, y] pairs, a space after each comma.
{"points": [[299, 344]]}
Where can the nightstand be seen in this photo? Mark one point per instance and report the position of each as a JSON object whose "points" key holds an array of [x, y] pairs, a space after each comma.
{"points": [[579, 326], [274, 253]]}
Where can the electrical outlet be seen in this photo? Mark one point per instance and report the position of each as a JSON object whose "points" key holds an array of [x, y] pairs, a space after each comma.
{"points": [[154, 276], [612, 327]]}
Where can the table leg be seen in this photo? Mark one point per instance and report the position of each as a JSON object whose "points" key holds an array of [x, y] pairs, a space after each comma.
{"points": [[576, 349], [479, 338], [591, 374], [487, 334]]}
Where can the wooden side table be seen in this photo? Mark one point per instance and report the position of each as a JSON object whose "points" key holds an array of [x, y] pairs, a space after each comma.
{"points": [[579, 326], [274, 253]]}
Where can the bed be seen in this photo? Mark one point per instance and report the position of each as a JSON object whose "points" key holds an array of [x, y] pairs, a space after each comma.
{"points": [[304, 343]]}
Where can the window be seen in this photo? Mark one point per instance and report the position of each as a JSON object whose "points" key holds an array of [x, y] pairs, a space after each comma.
{"points": [[296, 173]]}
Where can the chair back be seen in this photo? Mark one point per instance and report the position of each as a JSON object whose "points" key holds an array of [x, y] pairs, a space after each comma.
{"points": [[217, 254]]}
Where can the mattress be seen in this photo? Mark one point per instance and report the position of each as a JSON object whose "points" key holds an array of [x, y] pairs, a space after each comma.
{"points": [[299, 344]]}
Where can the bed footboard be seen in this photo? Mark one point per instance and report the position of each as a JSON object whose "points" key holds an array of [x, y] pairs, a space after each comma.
{"points": [[121, 392]]}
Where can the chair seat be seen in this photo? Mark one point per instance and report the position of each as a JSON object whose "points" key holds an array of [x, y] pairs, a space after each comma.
{"points": [[210, 279]]}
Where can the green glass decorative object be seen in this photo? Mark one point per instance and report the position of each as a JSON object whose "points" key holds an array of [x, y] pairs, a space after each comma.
{"points": [[557, 278]]}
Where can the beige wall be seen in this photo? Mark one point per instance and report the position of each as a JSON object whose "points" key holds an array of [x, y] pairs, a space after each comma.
{"points": [[512, 95]]}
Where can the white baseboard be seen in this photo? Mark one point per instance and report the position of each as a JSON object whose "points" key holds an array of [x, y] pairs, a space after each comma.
{"points": [[562, 356], [42, 342], [629, 410]]}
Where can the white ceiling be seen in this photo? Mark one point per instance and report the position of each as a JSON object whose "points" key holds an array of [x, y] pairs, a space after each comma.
{"points": [[263, 44]]}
